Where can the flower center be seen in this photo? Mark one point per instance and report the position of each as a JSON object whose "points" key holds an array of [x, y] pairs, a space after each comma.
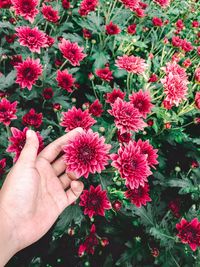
{"points": [[29, 74], [86, 153]]}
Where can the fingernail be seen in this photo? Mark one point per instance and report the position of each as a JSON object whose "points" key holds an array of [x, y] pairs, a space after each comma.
{"points": [[29, 133]]}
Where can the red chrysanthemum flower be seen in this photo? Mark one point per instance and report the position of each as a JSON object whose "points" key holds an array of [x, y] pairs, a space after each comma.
{"points": [[87, 6], [127, 117], [94, 201], [176, 41], [74, 118], [65, 80], [87, 34], [132, 28], [131, 4], [142, 101], [18, 140], [65, 4], [10, 38], [49, 13], [105, 74], [132, 165], [153, 78], [34, 39], [112, 29], [175, 83], [2, 167], [90, 243], [189, 232], [5, 3], [174, 206], [163, 3], [186, 46], [32, 118], [123, 138], [26, 8], [48, 93], [15, 60], [131, 64], [28, 72], [86, 153], [72, 51], [148, 150], [50, 40], [157, 22], [96, 108], [111, 97], [197, 75], [197, 100], [138, 196], [7, 111]]}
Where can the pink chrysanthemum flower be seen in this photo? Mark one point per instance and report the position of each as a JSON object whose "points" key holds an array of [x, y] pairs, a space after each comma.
{"points": [[72, 51], [132, 165], [94, 201], [7, 111], [96, 108], [148, 150], [189, 232], [28, 72], [175, 83], [74, 118], [87, 6], [65, 80], [127, 117], [112, 29], [49, 13], [32, 118], [34, 39], [131, 64], [86, 153], [197, 75], [26, 8], [131, 4], [142, 101], [138, 196], [111, 97], [18, 140], [105, 74], [163, 3]]}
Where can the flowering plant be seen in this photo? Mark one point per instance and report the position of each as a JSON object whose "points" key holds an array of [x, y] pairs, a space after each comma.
{"points": [[127, 72]]}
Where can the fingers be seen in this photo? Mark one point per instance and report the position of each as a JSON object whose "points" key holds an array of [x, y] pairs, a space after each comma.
{"points": [[65, 180], [29, 152], [51, 151], [74, 192], [59, 166]]}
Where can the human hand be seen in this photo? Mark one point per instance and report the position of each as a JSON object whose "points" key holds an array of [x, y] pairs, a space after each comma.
{"points": [[33, 194]]}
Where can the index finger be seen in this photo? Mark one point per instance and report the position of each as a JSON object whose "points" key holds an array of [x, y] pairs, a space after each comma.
{"points": [[51, 151]]}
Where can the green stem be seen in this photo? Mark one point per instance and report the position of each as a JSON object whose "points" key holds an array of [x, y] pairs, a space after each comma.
{"points": [[8, 131]]}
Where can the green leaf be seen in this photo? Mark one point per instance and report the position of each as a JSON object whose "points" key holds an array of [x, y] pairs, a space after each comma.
{"points": [[7, 81]]}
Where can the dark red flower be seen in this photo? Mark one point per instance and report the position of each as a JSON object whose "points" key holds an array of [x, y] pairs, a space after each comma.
{"points": [[48, 93], [5, 3], [142, 102], [157, 22], [74, 118], [117, 205], [15, 60], [49, 13], [2, 167], [90, 243], [96, 108], [57, 107], [189, 232], [155, 252], [32, 118], [94, 201], [17, 142], [174, 206], [138, 196], [104, 242], [132, 29], [186, 46], [26, 8], [28, 72], [180, 25], [65, 80], [123, 138], [87, 6], [10, 38], [105, 74], [111, 97], [50, 40], [176, 41], [195, 24], [87, 34], [7, 111], [65, 4], [112, 29], [153, 78], [72, 51]]}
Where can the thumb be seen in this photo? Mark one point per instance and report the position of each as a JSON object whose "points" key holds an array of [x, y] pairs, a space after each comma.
{"points": [[29, 152], [74, 192]]}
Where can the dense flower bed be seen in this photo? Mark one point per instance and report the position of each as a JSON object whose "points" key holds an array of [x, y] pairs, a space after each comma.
{"points": [[128, 73]]}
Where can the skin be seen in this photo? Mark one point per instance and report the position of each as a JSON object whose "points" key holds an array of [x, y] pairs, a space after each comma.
{"points": [[34, 194]]}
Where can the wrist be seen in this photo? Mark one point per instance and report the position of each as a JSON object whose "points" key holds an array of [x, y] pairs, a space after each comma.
{"points": [[8, 243]]}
